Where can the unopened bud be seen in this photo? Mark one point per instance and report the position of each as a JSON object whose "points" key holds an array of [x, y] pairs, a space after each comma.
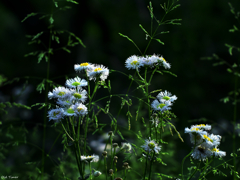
{"points": [[104, 153], [110, 172]]}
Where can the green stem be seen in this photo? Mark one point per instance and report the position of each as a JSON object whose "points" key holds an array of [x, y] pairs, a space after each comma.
{"points": [[145, 166], [125, 176], [76, 144], [187, 156], [46, 101], [234, 127], [90, 170], [194, 172], [150, 172], [206, 165], [105, 164]]}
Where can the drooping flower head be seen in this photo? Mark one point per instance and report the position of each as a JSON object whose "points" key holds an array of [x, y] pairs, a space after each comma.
{"points": [[148, 61], [202, 152], [217, 153], [126, 146]]}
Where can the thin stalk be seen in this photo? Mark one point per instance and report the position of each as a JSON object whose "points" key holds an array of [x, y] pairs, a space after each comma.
{"points": [[234, 127], [207, 163], [194, 172], [90, 170], [187, 156], [145, 166], [105, 164], [150, 172], [46, 101], [125, 174], [78, 156]]}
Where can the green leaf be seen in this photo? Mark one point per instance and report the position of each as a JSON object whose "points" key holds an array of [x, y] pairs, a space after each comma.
{"points": [[151, 9], [158, 40], [41, 86], [143, 29], [51, 20], [31, 54], [170, 73], [56, 4], [126, 37], [72, 1], [65, 49], [230, 48], [37, 35], [29, 15], [40, 56]]}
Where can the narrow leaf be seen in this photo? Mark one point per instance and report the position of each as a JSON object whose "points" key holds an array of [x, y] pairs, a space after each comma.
{"points": [[29, 15]]}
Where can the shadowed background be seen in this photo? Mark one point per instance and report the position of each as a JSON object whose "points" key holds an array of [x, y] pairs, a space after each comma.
{"points": [[199, 86]]}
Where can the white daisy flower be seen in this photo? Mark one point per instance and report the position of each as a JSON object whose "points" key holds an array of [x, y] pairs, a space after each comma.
{"points": [[70, 111], [166, 96], [216, 152], [59, 92], [98, 71], [76, 82], [212, 140], [150, 146], [194, 129], [148, 61], [161, 106], [197, 136], [165, 64], [79, 95], [56, 114], [64, 102], [83, 66], [204, 126], [133, 62], [92, 158], [126, 146], [202, 152], [80, 109]]}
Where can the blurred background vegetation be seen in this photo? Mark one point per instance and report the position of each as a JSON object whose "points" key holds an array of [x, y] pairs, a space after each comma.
{"points": [[199, 86]]}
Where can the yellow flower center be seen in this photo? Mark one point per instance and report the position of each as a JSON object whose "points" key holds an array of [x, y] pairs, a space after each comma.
{"points": [[161, 105], [215, 150], [77, 95], [76, 83], [70, 111], [166, 98], [151, 145], [84, 64], [79, 109], [196, 129], [97, 69], [200, 125], [61, 93], [134, 62], [163, 59], [206, 137], [55, 113]]}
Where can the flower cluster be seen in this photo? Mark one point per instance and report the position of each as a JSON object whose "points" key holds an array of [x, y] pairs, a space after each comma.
{"points": [[135, 62], [205, 144], [69, 100], [163, 102]]}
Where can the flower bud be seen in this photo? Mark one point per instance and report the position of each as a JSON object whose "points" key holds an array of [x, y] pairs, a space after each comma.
{"points": [[104, 153], [110, 172], [97, 173]]}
